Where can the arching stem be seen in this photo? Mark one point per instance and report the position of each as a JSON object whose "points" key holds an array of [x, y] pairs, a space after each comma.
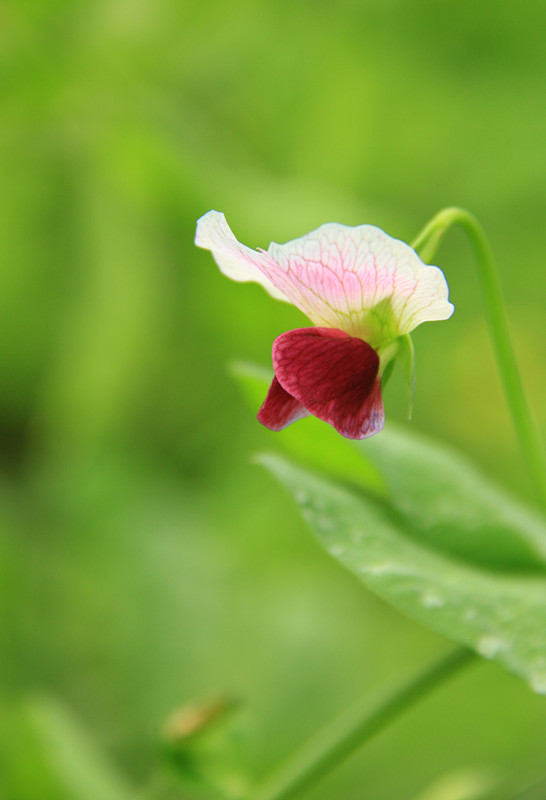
{"points": [[427, 243]]}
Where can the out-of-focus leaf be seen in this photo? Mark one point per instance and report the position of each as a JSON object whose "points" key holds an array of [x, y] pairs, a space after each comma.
{"points": [[464, 784], [395, 548], [45, 753]]}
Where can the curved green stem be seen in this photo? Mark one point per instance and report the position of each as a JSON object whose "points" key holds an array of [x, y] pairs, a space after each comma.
{"points": [[342, 737], [426, 243]]}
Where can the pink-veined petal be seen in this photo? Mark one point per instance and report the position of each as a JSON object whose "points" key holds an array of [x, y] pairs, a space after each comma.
{"points": [[279, 408], [361, 280], [334, 376], [357, 279], [238, 262]]}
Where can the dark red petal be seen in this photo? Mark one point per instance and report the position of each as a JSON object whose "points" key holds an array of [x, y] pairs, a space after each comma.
{"points": [[334, 376], [280, 408]]}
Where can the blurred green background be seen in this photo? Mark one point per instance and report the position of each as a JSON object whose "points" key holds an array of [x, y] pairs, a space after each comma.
{"points": [[145, 560]]}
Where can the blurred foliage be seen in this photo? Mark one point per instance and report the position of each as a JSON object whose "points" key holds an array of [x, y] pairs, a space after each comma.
{"points": [[144, 560]]}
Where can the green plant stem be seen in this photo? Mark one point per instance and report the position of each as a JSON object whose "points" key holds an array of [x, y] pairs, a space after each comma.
{"points": [[343, 736], [427, 243]]}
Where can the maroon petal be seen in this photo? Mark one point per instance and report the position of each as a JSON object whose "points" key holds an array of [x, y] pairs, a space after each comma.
{"points": [[280, 408], [334, 376]]}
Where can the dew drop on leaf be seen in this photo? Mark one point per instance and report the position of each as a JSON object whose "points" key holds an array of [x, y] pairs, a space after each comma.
{"points": [[538, 682], [490, 646], [432, 600]]}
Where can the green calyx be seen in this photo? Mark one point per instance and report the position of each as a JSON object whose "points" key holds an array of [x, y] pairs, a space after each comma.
{"points": [[378, 326]]}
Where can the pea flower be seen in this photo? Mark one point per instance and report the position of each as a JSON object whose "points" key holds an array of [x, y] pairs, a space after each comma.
{"points": [[363, 290]]}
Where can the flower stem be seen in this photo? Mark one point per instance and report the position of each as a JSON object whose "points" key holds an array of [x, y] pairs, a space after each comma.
{"points": [[427, 243], [343, 736]]}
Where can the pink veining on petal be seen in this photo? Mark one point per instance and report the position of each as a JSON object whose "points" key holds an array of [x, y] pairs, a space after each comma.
{"points": [[238, 262], [279, 408], [353, 288], [336, 273], [334, 376]]}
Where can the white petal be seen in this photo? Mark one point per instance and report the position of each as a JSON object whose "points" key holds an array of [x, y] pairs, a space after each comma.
{"points": [[235, 260], [361, 280], [358, 279]]}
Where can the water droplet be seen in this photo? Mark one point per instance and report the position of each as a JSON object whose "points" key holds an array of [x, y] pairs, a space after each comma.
{"points": [[432, 600], [470, 614], [301, 496], [490, 646], [326, 523], [376, 569], [537, 678], [337, 550], [538, 682]]}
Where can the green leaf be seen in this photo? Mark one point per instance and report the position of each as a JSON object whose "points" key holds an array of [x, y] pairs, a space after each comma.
{"points": [[447, 504], [45, 752], [465, 784], [447, 548]]}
